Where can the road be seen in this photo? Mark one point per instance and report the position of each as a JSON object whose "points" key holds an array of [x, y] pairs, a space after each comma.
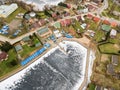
{"points": [[98, 11]]}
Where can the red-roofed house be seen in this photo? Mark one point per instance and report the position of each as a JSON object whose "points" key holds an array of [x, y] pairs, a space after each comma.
{"points": [[68, 6], [65, 22], [106, 22], [89, 16], [113, 24], [3, 55], [96, 19]]}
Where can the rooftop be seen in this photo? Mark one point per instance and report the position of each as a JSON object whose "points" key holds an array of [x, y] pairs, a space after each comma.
{"points": [[115, 59], [106, 27]]}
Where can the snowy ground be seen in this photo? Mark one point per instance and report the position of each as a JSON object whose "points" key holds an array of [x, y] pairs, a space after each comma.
{"points": [[39, 4], [10, 82]]}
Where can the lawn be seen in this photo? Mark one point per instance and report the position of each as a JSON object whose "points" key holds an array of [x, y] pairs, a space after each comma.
{"points": [[27, 50], [109, 48], [5, 66], [112, 7], [115, 40], [91, 86], [77, 26], [99, 35], [12, 16]]}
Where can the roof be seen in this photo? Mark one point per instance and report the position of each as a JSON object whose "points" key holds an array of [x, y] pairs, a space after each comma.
{"points": [[115, 59], [57, 25], [96, 19], [43, 30], [114, 24], [113, 32], [106, 22], [26, 38], [3, 55], [89, 16], [65, 22], [18, 47], [110, 69], [106, 27]]}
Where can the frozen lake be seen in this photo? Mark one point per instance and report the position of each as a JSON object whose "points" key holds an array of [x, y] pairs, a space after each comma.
{"points": [[55, 70]]}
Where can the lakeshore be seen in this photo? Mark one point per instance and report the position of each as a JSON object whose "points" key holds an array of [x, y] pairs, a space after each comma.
{"points": [[79, 41]]}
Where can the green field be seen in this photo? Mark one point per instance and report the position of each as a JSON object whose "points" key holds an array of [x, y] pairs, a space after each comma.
{"points": [[109, 48], [5, 66], [12, 16]]}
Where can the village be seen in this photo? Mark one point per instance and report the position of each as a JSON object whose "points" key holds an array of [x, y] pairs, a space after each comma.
{"points": [[25, 34]]}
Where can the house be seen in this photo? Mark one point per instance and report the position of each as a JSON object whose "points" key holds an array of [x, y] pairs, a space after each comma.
{"points": [[106, 22], [65, 22], [110, 69], [3, 55], [26, 39], [83, 25], [96, 19], [57, 25], [113, 33], [89, 16], [114, 59], [113, 24], [6, 10], [57, 33], [18, 48], [44, 32], [106, 27], [79, 18]]}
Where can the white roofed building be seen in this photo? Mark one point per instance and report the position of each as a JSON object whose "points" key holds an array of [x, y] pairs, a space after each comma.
{"points": [[6, 10], [113, 33]]}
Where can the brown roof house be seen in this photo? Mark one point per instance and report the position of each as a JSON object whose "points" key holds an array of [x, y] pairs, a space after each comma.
{"points": [[3, 55]]}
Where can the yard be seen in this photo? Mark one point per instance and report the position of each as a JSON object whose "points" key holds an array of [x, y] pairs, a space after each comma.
{"points": [[112, 7], [12, 16], [28, 50], [99, 35], [109, 48], [10, 64], [91, 86]]}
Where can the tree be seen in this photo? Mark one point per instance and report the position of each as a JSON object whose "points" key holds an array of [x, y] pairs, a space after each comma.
{"points": [[6, 46]]}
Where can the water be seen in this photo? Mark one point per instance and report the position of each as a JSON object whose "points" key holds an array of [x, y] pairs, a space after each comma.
{"points": [[54, 71], [39, 4]]}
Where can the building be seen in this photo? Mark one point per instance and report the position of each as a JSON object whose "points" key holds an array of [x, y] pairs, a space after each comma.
{"points": [[106, 28], [3, 56], [6, 10], [114, 59], [96, 19], [110, 69], [44, 32], [18, 48], [113, 33]]}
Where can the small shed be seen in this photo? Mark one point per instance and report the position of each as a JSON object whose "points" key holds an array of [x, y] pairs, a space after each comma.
{"points": [[114, 59], [18, 47], [113, 33]]}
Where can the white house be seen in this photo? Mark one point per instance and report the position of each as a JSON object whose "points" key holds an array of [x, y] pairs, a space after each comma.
{"points": [[6, 10], [113, 33]]}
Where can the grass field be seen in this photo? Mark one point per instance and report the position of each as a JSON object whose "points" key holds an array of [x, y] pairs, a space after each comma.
{"points": [[5, 66], [109, 48], [12, 16]]}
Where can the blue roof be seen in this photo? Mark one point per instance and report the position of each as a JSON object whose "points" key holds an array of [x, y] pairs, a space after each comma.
{"points": [[68, 36], [37, 53]]}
